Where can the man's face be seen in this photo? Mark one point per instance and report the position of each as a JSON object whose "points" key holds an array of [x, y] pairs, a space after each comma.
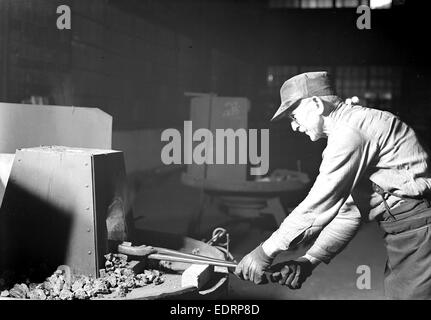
{"points": [[308, 119]]}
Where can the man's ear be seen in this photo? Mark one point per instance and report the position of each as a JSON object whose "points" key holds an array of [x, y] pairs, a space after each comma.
{"points": [[319, 104]]}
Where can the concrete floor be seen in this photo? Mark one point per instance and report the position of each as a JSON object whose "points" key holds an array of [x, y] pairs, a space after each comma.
{"points": [[169, 206]]}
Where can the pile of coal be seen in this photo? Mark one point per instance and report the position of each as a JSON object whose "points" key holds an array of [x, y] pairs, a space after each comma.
{"points": [[116, 280]]}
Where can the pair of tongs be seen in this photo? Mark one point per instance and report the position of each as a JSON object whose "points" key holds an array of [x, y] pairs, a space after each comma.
{"points": [[164, 254]]}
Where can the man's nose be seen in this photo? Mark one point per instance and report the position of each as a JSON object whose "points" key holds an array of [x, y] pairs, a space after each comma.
{"points": [[295, 126]]}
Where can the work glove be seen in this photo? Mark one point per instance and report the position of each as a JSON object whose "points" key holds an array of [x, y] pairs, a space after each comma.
{"points": [[253, 266], [292, 273]]}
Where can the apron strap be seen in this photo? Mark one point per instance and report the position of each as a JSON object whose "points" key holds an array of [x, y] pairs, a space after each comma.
{"points": [[385, 194], [379, 190]]}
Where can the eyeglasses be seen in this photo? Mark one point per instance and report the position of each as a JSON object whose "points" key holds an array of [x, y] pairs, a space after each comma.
{"points": [[292, 117]]}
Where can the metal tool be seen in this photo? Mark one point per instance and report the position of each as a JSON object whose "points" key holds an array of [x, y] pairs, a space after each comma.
{"points": [[158, 253], [197, 260], [163, 254], [217, 234]]}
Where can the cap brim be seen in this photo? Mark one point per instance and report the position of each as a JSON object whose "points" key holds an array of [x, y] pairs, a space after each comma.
{"points": [[279, 113], [284, 107]]}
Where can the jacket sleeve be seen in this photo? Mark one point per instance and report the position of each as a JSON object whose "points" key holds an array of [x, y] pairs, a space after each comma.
{"points": [[345, 159], [337, 234]]}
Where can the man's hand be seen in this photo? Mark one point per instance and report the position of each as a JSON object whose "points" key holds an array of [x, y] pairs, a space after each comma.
{"points": [[252, 267], [292, 273]]}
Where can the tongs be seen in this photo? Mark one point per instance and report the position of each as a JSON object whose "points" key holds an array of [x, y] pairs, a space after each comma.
{"points": [[158, 253]]}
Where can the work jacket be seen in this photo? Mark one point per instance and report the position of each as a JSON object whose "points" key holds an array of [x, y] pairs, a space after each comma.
{"points": [[364, 146]]}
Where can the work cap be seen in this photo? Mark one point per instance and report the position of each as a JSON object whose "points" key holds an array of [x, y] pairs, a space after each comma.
{"points": [[301, 86]]}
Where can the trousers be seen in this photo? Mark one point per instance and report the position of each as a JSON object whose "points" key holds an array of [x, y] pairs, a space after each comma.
{"points": [[408, 245]]}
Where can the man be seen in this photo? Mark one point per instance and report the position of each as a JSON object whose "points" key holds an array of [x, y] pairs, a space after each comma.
{"points": [[374, 167]]}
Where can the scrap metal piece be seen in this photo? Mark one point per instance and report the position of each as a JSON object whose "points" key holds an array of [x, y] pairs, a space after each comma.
{"points": [[197, 275], [67, 273]]}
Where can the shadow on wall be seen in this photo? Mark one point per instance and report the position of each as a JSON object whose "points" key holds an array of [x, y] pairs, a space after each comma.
{"points": [[34, 235], [6, 162]]}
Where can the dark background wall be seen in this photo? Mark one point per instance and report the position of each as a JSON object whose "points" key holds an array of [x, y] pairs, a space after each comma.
{"points": [[132, 66]]}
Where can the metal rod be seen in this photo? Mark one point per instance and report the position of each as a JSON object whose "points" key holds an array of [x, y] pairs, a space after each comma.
{"points": [[186, 255], [127, 248], [164, 257]]}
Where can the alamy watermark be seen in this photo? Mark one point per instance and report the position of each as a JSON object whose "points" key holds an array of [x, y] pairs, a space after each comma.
{"points": [[364, 280], [364, 20], [64, 21], [223, 148]]}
